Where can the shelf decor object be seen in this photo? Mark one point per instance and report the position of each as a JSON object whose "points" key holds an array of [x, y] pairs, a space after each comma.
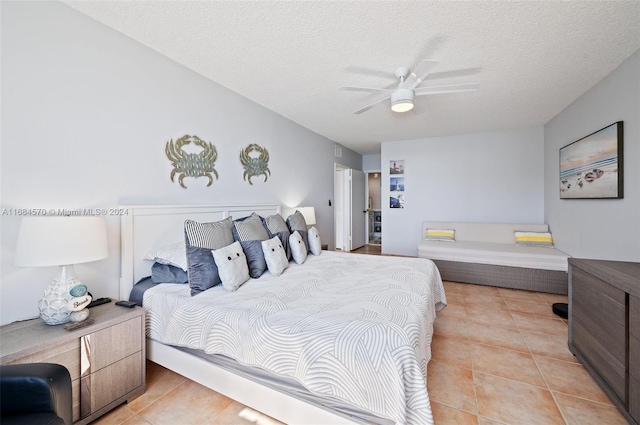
{"points": [[591, 168], [255, 165], [186, 164], [63, 242]]}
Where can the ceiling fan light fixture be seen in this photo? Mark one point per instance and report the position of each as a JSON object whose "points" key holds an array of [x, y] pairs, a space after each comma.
{"points": [[402, 106], [402, 100]]}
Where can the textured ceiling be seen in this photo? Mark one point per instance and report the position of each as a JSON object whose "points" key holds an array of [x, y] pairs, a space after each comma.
{"points": [[532, 59]]}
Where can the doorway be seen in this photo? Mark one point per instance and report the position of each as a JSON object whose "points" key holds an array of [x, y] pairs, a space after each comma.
{"points": [[350, 208], [374, 210]]}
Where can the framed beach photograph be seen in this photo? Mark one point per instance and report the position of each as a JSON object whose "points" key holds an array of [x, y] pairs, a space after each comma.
{"points": [[397, 184], [396, 200], [396, 166], [591, 168]]}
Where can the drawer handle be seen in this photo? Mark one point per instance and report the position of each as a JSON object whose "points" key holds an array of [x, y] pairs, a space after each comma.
{"points": [[85, 376]]}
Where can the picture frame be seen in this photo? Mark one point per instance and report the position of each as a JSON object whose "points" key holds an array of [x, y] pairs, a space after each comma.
{"points": [[592, 167]]}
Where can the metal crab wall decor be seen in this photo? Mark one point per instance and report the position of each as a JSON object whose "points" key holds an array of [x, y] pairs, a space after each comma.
{"points": [[191, 164], [255, 166]]}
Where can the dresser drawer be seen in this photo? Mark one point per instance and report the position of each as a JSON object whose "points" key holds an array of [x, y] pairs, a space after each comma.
{"points": [[600, 309], [110, 383], [634, 399], [634, 316], [112, 344]]}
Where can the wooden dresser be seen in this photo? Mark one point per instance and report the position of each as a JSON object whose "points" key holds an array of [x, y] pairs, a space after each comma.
{"points": [[106, 360], [604, 327]]}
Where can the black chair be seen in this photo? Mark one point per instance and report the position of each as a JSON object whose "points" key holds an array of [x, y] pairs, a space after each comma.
{"points": [[35, 393]]}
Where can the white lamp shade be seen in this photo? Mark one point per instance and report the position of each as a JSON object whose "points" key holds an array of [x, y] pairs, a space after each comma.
{"points": [[55, 241], [309, 214]]}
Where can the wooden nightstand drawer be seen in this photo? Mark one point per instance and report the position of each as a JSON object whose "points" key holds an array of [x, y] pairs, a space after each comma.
{"points": [[113, 344], [110, 383]]}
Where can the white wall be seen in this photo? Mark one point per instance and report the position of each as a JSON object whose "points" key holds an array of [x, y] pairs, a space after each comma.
{"points": [[604, 228], [371, 163], [487, 177], [86, 113]]}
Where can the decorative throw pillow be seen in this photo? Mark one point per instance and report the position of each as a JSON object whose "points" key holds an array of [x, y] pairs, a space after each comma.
{"points": [[274, 256], [446, 235], [232, 266], [296, 222], [173, 255], [542, 239], [164, 273], [250, 232], [200, 239], [276, 226], [315, 246], [298, 248]]}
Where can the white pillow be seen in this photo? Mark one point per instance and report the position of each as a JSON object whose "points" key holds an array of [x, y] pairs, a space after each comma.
{"points": [[315, 246], [172, 255], [232, 265], [298, 248], [275, 256]]}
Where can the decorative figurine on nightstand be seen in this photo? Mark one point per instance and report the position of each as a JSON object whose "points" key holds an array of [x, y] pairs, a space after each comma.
{"points": [[80, 299]]}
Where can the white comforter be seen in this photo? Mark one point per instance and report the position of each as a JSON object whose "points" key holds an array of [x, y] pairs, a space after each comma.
{"points": [[353, 327]]}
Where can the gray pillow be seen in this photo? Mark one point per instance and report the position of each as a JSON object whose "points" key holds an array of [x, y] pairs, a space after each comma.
{"points": [[200, 239], [276, 226], [165, 273], [297, 223], [250, 232]]}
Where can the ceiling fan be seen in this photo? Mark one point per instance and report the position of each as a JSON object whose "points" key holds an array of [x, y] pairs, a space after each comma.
{"points": [[402, 97]]}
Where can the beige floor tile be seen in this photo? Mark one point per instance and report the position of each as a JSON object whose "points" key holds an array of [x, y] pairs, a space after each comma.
{"points": [[454, 299], [554, 298], [445, 415], [520, 295], [470, 289], [570, 378], [453, 287], [490, 316], [554, 346], [451, 386], [453, 310], [487, 421], [136, 420], [497, 336], [450, 326], [505, 363], [160, 381], [578, 411], [115, 417], [189, 403], [238, 414], [532, 323], [454, 351], [528, 307], [513, 402]]}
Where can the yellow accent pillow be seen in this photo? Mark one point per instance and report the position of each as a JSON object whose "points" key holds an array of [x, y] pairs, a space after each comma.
{"points": [[445, 235], [542, 239]]}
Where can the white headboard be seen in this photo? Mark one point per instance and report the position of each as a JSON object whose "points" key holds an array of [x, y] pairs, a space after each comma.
{"points": [[147, 227]]}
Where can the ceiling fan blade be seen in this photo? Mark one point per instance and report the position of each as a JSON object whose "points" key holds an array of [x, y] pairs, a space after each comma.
{"points": [[367, 89], [418, 74], [450, 88], [372, 105]]}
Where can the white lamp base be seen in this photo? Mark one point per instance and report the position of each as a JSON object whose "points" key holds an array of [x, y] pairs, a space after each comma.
{"points": [[53, 304]]}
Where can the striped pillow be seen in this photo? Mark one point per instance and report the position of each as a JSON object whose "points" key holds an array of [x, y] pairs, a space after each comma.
{"points": [[447, 235], [542, 239]]}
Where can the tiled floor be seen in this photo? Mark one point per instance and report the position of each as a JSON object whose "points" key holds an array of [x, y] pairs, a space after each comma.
{"points": [[499, 357]]}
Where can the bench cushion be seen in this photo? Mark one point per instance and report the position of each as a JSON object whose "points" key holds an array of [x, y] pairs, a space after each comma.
{"points": [[500, 254]]}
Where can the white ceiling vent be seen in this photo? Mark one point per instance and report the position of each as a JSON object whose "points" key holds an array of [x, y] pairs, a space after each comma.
{"points": [[338, 151]]}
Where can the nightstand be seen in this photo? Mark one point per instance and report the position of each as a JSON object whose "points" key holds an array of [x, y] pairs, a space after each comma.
{"points": [[106, 359]]}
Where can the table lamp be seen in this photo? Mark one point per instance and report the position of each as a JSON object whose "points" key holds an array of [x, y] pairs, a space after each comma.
{"points": [[63, 242], [309, 214]]}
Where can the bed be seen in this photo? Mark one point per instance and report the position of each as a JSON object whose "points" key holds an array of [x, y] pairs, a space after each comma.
{"points": [[341, 338]]}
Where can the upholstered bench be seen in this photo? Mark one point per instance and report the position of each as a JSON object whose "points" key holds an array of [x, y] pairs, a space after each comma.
{"points": [[487, 254]]}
